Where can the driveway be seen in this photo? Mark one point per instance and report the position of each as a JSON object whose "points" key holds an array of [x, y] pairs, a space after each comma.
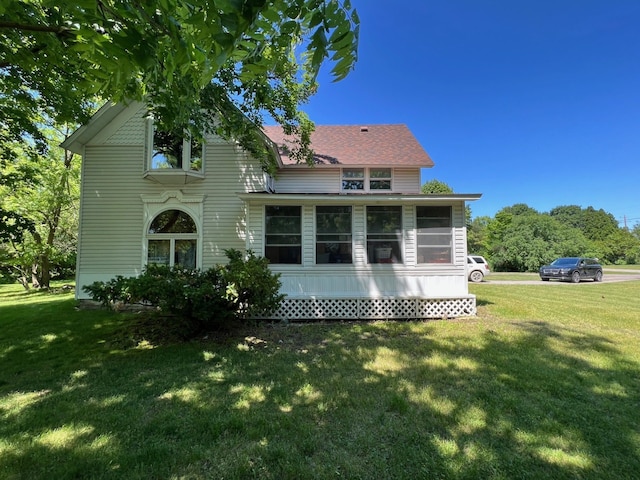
{"points": [[610, 276]]}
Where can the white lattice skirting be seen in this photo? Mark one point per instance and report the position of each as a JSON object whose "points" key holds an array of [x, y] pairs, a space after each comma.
{"points": [[374, 308]]}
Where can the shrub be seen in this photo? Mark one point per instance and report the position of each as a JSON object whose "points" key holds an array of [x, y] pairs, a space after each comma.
{"points": [[245, 287]]}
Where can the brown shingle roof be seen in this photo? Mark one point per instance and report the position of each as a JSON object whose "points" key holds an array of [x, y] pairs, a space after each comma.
{"points": [[388, 145]]}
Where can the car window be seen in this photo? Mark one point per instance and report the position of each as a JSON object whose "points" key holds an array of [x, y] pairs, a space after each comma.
{"points": [[479, 259]]}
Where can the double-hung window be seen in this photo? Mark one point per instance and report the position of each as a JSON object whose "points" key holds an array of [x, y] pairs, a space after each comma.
{"points": [[380, 179], [366, 179], [334, 234], [172, 240], [283, 234], [384, 234], [434, 234]]}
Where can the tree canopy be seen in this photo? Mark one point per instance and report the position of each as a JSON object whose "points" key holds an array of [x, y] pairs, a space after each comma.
{"points": [[519, 238], [241, 57]]}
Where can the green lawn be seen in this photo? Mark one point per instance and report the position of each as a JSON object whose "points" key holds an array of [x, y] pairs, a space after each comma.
{"points": [[544, 383]]}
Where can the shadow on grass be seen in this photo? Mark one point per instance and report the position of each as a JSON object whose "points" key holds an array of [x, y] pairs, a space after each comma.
{"points": [[357, 400]]}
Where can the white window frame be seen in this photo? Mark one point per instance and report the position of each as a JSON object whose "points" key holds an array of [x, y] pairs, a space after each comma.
{"points": [[172, 238], [380, 250], [267, 235], [318, 241], [441, 231], [366, 179], [186, 152], [192, 205]]}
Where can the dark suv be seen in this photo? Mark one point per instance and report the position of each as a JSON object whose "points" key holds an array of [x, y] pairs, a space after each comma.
{"points": [[572, 269]]}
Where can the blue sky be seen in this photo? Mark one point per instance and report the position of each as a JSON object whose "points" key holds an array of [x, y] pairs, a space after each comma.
{"points": [[534, 102]]}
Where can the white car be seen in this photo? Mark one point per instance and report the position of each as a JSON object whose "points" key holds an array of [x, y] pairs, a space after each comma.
{"points": [[477, 268]]}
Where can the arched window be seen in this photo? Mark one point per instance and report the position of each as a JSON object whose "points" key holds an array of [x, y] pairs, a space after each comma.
{"points": [[172, 240]]}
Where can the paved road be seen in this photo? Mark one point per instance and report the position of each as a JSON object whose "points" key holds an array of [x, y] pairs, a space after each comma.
{"points": [[610, 276]]}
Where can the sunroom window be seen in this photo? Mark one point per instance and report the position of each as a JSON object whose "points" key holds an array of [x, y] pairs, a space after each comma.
{"points": [[283, 234], [333, 234], [434, 234], [384, 234], [172, 240]]}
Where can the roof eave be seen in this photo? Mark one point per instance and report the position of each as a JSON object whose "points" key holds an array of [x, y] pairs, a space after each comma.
{"points": [[359, 198], [83, 135]]}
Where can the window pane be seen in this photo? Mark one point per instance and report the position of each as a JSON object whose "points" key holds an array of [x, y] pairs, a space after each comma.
{"points": [[283, 254], [333, 220], [384, 219], [333, 234], [167, 150], [380, 184], [353, 184], [380, 173], [430, 217], [434, 234], [159, 252], [283, 234], [173, 221], [334, 252], [353, 173], [282, 219], [384, 234], [353, 179], [185, 254], [195, 162]]}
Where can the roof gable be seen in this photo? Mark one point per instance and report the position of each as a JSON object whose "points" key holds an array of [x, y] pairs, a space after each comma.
{"points": [[353, 145]]}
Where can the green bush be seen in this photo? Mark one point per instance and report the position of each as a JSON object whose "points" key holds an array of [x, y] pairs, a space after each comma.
{"points": [[209, 299]]}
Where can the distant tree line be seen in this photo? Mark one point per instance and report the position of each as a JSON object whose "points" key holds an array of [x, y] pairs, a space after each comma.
{"points": [[520, 239]]}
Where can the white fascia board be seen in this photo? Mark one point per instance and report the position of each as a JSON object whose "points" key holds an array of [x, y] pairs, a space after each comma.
{"points": [[99, 121], [357, 199]]}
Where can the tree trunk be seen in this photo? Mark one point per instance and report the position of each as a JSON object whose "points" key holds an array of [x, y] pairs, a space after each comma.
{"points": [[35, 280]]}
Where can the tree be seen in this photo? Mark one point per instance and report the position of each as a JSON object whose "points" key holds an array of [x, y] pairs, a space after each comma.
{"points": [[48, 200], [436, 186], [477, 236], [242, 57], [533, 239]]}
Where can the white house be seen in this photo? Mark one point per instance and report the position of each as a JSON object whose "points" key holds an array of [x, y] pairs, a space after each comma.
{"points": [[352, 237]]}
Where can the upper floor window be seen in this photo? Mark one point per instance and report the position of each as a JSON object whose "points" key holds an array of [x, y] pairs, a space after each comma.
{"points": [[384, 234], [366, 179], [171, 152], [434, 234], [334, 234], [172, 240], [380, 179], [283, 234]]}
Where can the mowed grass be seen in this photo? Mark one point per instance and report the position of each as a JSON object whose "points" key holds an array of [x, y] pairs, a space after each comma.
{"points": [[543, 383]]}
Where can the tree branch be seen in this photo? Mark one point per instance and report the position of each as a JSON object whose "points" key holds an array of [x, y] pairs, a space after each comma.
{"points": [[58, 30]]}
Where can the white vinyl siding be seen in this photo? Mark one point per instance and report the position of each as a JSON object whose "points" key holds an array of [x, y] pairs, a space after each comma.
{"points": [[112, 225], [361, 279], [308, 180], [329, 180]]}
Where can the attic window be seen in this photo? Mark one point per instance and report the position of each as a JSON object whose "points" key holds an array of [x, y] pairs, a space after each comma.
{"points": [[364, 129]]}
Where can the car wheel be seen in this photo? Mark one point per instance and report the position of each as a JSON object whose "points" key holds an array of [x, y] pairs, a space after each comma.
{"points": [[545, 279], [476, 276], [598, 277], [575, 277]]}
